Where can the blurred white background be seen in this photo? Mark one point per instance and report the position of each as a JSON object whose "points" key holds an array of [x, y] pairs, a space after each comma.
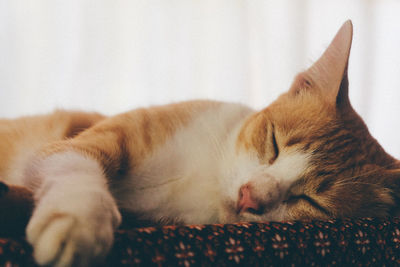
{"points": [[112, 56]]}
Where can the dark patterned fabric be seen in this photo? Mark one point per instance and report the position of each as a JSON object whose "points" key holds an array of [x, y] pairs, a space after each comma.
{"points": [[362, 242]]}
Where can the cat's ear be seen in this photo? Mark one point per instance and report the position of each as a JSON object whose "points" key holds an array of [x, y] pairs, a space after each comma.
{"points": [[329, 74]]}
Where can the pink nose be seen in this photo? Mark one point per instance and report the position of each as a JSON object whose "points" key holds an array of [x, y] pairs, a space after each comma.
{"points": [[246, 202]]}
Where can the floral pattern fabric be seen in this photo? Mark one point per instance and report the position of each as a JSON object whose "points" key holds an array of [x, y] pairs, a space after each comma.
{"points": [[361, 242]]}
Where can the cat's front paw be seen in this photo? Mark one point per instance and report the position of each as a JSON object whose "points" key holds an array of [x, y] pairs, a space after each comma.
{"points": [[67, 239]]}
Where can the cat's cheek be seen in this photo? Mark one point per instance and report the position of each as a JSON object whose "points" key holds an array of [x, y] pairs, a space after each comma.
{"points": [[303, 211], [226, 214], [281, 213]]}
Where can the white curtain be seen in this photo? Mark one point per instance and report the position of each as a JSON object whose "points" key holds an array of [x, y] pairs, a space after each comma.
{"points": [[112, 56]]}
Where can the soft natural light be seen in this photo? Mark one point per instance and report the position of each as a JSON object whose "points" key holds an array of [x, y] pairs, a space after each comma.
{"points": [[112, 56]]}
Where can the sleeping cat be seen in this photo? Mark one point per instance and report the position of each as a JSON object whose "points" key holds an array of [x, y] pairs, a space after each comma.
{"points": [[306, 156]]}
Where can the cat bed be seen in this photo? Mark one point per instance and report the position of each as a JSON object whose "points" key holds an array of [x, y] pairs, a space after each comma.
{"points": [[360, 242]]}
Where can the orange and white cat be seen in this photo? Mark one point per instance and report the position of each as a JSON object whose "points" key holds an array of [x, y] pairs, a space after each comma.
{"points": [[306, 156]]}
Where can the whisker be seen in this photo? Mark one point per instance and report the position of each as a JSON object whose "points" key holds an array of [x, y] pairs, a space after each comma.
{"points": [[370, 172], [354, 183]]}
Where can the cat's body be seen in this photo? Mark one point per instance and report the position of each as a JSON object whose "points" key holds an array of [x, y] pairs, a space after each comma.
{"points": [[308, 155]]}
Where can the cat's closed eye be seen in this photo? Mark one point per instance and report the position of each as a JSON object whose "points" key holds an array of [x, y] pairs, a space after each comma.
{"points": [[295, 199], [292, 199], [274, 146]]}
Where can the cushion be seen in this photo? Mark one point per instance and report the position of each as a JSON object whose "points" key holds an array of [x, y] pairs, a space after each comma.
{"points": [[357, 242]]}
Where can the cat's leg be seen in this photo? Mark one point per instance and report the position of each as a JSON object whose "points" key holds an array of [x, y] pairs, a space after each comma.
{"points": [[75, 214]]}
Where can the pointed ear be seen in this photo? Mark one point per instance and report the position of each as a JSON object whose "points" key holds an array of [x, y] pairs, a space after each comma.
{"points": [[329, 74]]}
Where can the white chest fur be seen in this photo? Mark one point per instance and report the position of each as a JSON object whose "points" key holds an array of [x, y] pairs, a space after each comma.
{"points": [[180, 180]]}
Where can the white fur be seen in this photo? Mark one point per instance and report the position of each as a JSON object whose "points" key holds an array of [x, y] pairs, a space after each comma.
{"points": [[193, 178], [180, 180], [288, 167], [270, 182], [75, 213]]}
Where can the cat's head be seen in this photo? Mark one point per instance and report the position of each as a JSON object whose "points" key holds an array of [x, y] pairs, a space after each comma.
{"points": [[310, 156]]}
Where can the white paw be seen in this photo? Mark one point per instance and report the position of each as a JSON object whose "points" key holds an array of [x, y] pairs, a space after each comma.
{"points": [[63, 238]]}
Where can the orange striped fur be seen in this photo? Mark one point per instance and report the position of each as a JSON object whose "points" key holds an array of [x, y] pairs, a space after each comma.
{"points": [[306, 156]]}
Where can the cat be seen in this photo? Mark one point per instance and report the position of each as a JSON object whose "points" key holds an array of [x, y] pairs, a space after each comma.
{"points": [[308, 155]]}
